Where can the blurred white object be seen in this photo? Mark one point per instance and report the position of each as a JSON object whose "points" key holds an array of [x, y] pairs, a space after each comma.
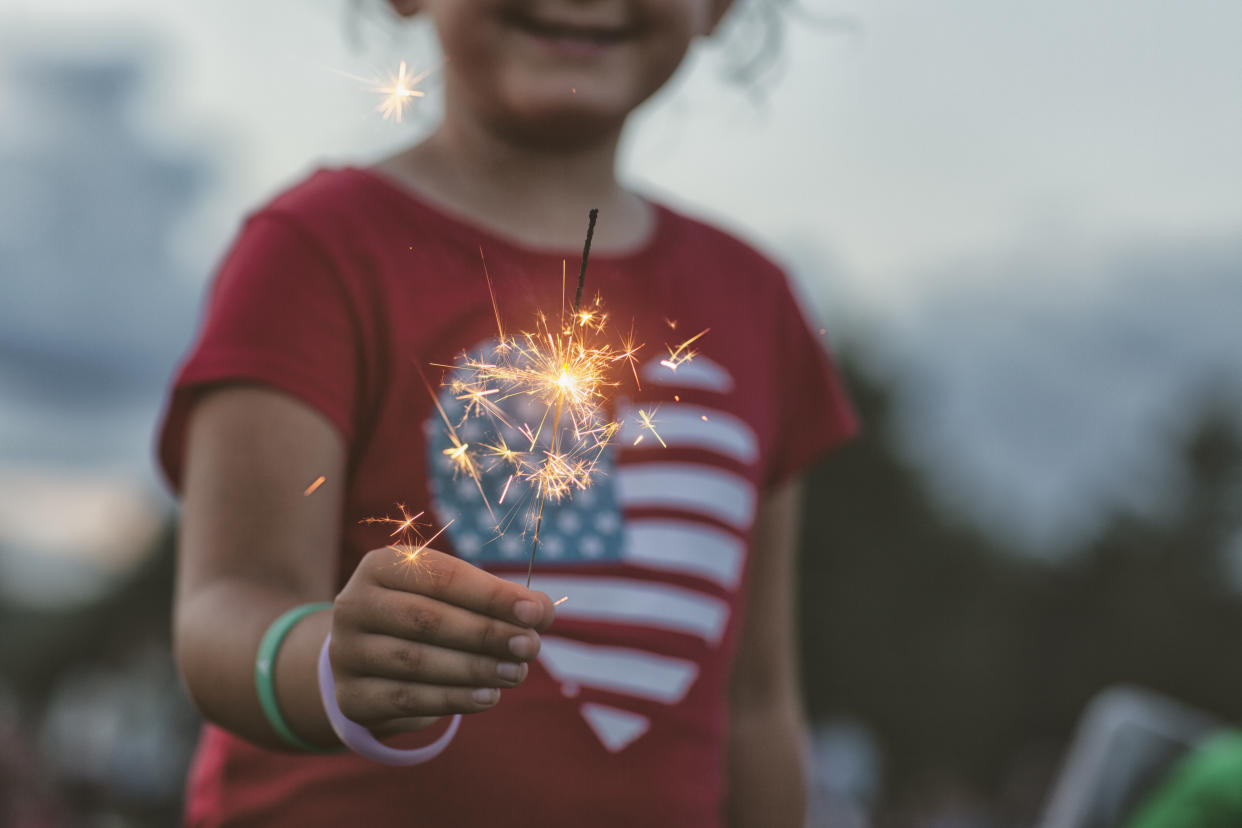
{"points": [[1126, 741], [845, 770]]}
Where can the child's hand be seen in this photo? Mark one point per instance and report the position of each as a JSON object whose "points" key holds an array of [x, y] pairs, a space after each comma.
{"points": [[410, 643]]}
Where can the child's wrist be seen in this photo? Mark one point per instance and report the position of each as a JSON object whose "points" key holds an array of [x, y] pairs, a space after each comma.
{"points": [[267, 657]]}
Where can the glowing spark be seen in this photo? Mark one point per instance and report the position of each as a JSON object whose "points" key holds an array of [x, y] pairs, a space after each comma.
{"points": [[681, 354], [411, 551], [410, 546], [629, 353], [476, 399], [560, 600], [506, 489], [503, 453], [500, 328], [407, 522], [647, 421], [311, 488], [462, 462], [399, 92]]}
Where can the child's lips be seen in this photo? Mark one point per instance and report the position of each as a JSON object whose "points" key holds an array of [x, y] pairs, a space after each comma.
{"points": [[570, 46], [570, 39]]}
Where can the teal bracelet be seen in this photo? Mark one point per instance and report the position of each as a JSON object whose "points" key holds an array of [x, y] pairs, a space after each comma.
{"points": [[265, 665]]}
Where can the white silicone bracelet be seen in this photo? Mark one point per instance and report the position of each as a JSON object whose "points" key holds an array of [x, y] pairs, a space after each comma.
{"points": [[358, 739]]}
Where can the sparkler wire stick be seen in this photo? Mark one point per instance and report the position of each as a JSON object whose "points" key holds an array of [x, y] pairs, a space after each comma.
{"points": [[586, 251], [556, 422]]}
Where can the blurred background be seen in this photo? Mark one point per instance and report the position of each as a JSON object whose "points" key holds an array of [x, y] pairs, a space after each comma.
{"points": [[1021, 226]]}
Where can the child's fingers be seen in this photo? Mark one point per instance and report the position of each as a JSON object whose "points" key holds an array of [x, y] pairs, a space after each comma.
{"points": [[427, 620], [410, 724], [383, 656], [375, 701], [455, 581]]}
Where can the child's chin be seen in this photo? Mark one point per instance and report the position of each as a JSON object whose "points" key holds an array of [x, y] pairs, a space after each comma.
{"points": [[566, 120]]}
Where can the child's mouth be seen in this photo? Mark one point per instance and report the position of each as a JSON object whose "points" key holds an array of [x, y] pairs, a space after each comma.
{"points": [[569, 39]]}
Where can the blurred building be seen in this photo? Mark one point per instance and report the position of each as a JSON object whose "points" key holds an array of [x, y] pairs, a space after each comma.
{"points": [[94, 311]]}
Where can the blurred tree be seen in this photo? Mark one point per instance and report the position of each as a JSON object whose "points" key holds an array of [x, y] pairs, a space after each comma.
{"points": [[37, 647], [97, 693], [1153, 602], [967, 659]]}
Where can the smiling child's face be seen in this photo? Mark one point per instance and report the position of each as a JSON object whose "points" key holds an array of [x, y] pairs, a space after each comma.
{"points": [[561, 72]]}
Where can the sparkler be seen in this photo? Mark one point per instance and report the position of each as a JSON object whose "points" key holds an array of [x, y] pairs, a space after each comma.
{"points": [[570, 384], [563, 369]]}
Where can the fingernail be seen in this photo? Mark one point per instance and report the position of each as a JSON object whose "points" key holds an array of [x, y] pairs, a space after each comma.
{"points": [[486, 695], [528, 612], [522, 646], [508, 671]]}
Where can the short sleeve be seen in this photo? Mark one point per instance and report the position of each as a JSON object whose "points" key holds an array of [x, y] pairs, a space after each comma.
{"points": [[280, 315], [814, 414]]}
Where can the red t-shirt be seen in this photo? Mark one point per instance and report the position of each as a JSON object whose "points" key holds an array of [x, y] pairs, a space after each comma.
{"points": [[336, 293]]}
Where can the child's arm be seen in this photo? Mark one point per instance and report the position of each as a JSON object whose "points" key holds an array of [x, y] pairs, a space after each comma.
{"points": [[766, 781], [406, 645]]}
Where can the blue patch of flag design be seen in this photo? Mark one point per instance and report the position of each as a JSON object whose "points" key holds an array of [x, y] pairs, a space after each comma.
{"points": [[584, 527]]}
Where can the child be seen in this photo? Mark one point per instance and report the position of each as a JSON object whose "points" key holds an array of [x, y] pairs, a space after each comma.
{"points": [[666, 691]]}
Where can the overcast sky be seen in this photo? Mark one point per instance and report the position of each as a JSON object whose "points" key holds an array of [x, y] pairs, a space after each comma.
{"points": [[934, 130], [978, 186]]}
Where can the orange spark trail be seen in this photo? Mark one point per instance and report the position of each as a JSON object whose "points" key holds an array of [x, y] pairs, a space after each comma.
{"points": [[679, 355], [500, 329], [462, 461]]}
